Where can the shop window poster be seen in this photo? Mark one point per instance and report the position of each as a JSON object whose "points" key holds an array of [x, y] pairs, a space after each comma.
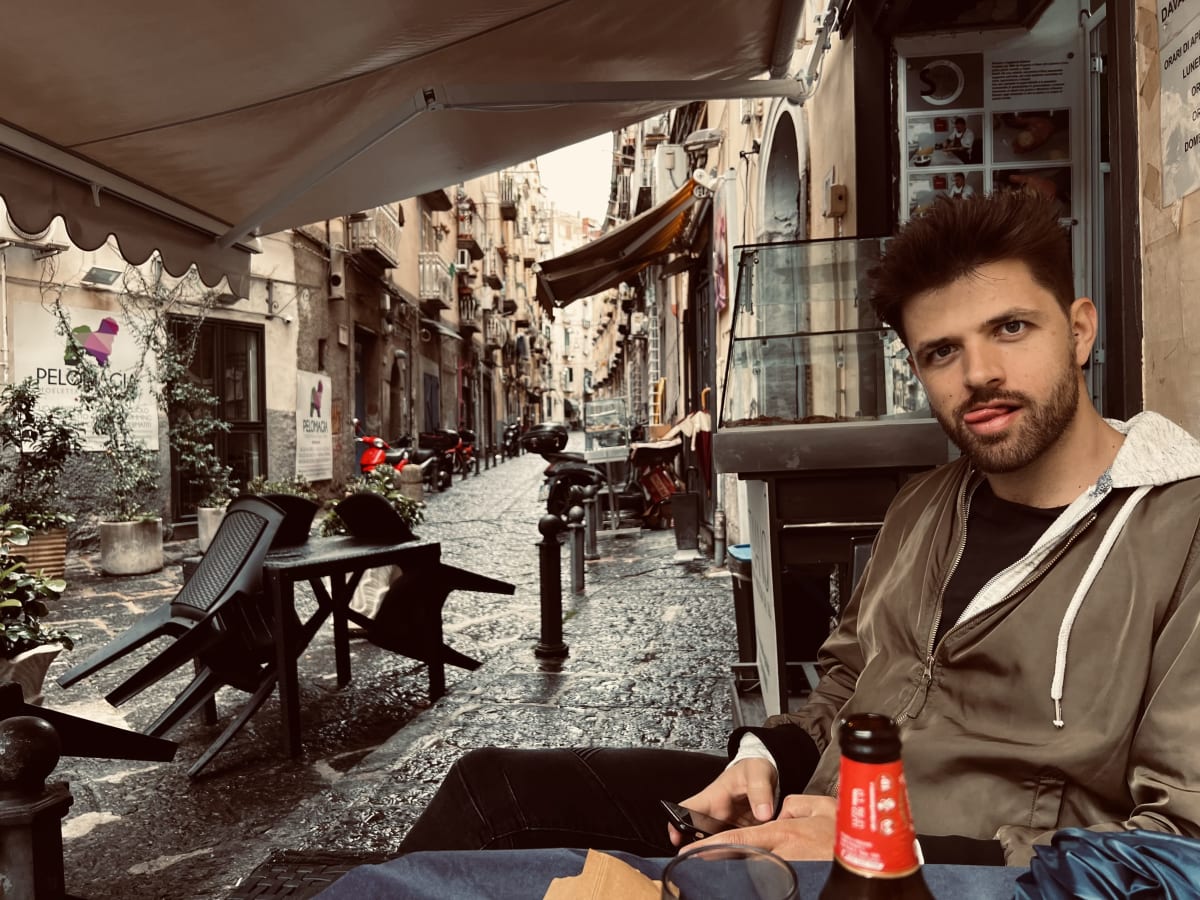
{"points": [[1051, 181], [961, 184], [946, 82], [947, 140], [1031, 136]]}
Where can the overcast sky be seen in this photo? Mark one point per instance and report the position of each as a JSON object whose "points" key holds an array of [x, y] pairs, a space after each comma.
{"points": [[577, 178]]}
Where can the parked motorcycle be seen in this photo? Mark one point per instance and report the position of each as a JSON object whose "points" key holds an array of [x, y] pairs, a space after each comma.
{"points": [[374, 451], [464, 458], [426, 459], [545, 437], [445, 443], [511, 441], [568, 470]]}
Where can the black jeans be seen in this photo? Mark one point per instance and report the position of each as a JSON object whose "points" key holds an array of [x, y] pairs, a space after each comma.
{"points": [[605, 799]]}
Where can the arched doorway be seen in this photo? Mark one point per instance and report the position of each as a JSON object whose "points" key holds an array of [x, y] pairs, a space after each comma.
{"points": [[785, 181]]}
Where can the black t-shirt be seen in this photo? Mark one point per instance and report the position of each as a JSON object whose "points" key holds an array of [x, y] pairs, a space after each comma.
{"points": [[998, 534]]}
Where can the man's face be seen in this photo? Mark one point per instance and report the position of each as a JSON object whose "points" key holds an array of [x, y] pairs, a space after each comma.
{"points": [[960, 124], [1000, 363], [959, 180]]}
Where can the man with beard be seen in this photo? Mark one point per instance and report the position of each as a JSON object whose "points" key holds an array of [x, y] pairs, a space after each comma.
{"points": [[1028, 617]]}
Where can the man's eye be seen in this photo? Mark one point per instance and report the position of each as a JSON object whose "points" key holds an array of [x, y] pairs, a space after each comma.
{"points": [[1014, 327], [937, 354]]}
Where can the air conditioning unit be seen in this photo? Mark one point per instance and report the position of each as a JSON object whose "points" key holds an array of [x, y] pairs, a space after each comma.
{"points": [[463, 261], [671, 170], [337, 273]]}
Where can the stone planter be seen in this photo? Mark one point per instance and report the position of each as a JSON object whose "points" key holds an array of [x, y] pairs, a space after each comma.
{"points": [[131, 548], [28, 669], [208, 520], [46, 552]]}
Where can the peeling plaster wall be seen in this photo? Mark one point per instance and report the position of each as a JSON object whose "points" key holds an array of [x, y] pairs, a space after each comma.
{"points": [[1170, 255]]}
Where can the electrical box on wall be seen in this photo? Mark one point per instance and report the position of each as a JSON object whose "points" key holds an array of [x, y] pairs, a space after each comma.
{"points": [[834, 196]]}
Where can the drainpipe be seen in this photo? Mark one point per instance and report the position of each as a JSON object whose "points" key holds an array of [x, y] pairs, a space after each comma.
{"points": [[5, 375]]}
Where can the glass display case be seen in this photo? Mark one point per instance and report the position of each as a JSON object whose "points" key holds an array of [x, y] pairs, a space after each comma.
{"points": [[808, 356], [606, 429]]}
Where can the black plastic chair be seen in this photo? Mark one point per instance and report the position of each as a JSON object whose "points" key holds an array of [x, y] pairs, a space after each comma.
{"points": [[231, 567], [241, 655], [298, 514], [409, 620]]}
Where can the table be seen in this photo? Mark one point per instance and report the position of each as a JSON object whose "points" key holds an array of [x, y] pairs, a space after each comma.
{"points": [[526, 874], [341, 559]]}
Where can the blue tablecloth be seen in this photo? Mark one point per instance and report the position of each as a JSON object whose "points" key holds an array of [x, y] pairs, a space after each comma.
{"points": [[526, 874]]}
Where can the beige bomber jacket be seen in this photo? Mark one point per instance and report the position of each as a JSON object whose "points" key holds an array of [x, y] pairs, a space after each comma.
{"points": [[1068, 694]]}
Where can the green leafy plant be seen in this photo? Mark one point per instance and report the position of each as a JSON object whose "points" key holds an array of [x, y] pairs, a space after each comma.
{"points": [[129, 471], [191, 406], [378, 481], [298, 486], [35, 445], [23, 596]]}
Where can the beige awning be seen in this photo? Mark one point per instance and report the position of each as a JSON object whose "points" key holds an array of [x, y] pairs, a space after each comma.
{"points": [[188, 127], [620, 254]]}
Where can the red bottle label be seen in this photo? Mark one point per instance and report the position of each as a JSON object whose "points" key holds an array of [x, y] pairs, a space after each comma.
{"points": [[874, 825]]}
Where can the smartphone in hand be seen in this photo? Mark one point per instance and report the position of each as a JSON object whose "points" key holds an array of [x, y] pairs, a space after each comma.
{"points": [[694, 825]]}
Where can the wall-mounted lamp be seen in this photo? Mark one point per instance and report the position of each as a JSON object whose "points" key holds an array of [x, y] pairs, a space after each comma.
{"points": [[99, 275]]}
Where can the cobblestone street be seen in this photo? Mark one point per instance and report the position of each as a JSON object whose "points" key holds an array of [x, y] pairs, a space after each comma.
{"points": [[650, 641]]}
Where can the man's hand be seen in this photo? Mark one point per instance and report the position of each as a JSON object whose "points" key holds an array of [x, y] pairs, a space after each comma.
{"points": [[743, 794], [805, 830]]}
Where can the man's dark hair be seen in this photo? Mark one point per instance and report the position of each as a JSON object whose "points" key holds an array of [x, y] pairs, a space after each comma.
{"points": [[955, 238]]}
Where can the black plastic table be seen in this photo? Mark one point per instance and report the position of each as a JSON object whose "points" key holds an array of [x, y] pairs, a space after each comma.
{"points": [[342, 560]]}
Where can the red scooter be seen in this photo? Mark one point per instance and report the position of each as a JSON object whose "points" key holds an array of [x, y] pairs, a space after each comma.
{"points": [[374, 451]]}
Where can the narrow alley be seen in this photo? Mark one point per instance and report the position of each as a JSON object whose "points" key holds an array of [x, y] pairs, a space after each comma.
{"points": [[650, 646]]}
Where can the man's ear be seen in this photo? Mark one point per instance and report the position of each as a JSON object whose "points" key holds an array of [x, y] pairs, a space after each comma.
{"points": [[1083, 320]]}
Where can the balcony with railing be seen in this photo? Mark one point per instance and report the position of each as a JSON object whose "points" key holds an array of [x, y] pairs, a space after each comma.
{"points": [[495, 331], [468, 313], [471, 228], [376, 236], [509, 195], [436, 284]]}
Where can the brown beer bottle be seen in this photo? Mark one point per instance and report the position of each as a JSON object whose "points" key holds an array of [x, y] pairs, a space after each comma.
{"points": [[875, 850]]}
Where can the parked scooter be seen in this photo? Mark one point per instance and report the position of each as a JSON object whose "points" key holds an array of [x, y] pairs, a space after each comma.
{"points": [[444, 442], [568, 470], [464, 458], [426, 459], [374, 451], [511, 441]]}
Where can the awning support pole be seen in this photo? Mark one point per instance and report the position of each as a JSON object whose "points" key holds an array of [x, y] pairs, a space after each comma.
{"points": [[326, 167]]}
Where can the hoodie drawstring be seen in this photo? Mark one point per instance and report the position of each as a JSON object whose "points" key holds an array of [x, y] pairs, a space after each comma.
{"points": [[1089, 576]]}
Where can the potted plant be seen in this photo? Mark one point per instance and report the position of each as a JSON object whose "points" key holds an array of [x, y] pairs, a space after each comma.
{"points": [[26, 646], [297, 485], [35, 445], [130, 524], [194, 428]]}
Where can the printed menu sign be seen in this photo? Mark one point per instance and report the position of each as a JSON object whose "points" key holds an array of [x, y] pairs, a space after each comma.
{"points": [[314, 437], [1179, 102]]}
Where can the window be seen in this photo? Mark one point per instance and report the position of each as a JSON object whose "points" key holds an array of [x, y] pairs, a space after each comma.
{"points": [[229, 362]]}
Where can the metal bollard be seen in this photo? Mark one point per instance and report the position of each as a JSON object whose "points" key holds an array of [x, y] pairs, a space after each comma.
{"points": [[31, 811], [550, 645], [575, 525], [591, 523]]}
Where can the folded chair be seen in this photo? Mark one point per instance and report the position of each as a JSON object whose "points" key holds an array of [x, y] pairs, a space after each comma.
{"points": [[241, 653], [231, 567], [409, 620]]}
